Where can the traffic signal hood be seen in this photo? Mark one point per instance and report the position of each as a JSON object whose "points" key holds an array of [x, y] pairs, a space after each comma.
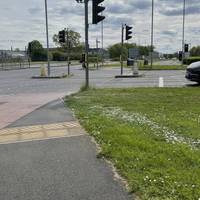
{"points": [[180, 55], [97, 10], [128, 32], [61, 36], [186, 48]]}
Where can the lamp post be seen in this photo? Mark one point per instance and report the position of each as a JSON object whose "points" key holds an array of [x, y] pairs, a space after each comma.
{"points": [[47, 37], [152, 32], [183, 34]]}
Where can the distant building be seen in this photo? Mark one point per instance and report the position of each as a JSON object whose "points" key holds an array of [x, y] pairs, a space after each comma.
{"points": [[155, 55], [94, 51], [12, 54]]}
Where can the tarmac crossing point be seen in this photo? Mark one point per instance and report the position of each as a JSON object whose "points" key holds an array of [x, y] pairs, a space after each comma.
{"points": [[41, 132]]}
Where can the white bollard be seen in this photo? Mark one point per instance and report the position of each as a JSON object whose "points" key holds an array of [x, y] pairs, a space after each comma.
{"points": [[135, 68], [161, 82]]}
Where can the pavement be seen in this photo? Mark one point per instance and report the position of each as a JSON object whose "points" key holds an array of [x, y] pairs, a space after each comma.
{"points": [[47, 155], [14, 107]]}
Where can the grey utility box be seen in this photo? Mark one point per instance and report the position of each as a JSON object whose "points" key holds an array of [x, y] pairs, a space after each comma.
{"points": [[130, 62]]}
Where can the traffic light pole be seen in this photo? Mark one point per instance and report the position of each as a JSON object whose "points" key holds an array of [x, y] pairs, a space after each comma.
{"points": [[102, 42], [183, 39], [152, 33], [68, 53], [122, 46], [86, 45]]}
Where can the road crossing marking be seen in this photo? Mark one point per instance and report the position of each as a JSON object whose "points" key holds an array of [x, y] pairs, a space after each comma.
{"points": [[41, 132]]}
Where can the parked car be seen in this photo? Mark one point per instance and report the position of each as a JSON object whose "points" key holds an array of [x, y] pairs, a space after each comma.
{"points": [[193, 72]]}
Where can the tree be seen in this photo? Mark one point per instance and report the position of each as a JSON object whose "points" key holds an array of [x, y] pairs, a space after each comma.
{"points": [[17, 50], [145, 50], [36, 51], [74, 39], [116, 49], [195, 51]]}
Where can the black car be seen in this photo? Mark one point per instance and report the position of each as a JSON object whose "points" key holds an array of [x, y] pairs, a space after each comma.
{"points": [[193, 72]]}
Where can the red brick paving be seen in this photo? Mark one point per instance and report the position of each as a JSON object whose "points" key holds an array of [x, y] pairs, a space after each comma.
{"points": [[13, 107]]}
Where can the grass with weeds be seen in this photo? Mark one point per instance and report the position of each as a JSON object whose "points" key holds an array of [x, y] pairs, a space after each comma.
{"points": [[154, 67], [152, 136]]}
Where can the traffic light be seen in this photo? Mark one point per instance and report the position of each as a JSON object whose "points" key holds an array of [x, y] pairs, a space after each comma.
{"points": [[97, 10], [180, 55], [82, 58], [61, 36], [186, 48], [128, 32]]}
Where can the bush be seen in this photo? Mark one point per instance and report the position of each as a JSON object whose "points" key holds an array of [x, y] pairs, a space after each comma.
{"points": [[75, 56], [59, 56], [94, 59], [116, 59], [40, 55], [188, 61]]}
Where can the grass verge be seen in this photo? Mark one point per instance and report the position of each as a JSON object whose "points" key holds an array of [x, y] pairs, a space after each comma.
{"points": [[164, 67], [154, 67], [151, 135]]}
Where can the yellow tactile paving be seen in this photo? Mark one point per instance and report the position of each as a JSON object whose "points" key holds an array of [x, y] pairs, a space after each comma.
{"points": [[37, 132]]}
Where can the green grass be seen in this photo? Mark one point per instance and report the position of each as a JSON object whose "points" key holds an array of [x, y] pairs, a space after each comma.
{"points": [[149, 134], [154, 67], [53, 62], [164, 67]]}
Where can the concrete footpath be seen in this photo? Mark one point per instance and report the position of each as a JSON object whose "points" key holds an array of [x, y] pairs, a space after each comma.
{"points": [[47, 155]]}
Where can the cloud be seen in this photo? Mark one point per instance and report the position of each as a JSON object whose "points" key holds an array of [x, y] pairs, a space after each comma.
{"points": [[191, 10], [22, 22]]}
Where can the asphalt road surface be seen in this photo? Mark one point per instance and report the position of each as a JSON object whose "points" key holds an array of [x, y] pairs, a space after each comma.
{"points": [[20, 94], [19, 81]]}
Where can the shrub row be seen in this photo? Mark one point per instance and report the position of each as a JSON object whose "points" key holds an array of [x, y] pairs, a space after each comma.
{"points": [[188, 61]]}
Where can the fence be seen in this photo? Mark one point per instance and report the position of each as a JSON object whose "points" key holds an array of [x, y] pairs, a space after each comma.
{"points": [[14, 63]]}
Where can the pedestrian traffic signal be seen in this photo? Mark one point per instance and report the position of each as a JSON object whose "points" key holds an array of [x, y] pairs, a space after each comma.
{"points": [[97, 10], [186, 48], [128, 32], [61, 36], [180, 55], [82, 58]]}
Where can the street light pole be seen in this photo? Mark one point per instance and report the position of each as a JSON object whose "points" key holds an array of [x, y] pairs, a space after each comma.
{"points": [[152, 32], [47, 36], [183, 35]]}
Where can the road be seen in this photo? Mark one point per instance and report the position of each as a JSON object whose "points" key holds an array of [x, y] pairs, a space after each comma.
{"points": [[20, 95], [20, 82]]}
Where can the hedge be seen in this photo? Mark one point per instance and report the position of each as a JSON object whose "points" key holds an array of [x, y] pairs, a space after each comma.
{"points": [[188, 61]]}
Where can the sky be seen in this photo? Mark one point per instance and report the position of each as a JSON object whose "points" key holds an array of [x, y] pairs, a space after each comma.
{"points": [[24, 20]]}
